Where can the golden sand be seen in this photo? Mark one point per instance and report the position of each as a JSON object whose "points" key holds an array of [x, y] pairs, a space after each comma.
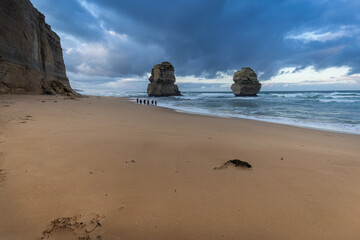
{"points": [[102, 167]]}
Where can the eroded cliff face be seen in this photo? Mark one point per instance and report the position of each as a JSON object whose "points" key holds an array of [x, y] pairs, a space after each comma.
{"points": [[31, 59]]}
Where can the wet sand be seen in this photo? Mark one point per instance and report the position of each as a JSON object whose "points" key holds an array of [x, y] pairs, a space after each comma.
{"points": [[107, 168]]}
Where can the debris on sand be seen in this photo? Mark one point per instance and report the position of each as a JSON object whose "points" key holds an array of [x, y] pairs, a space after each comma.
{"points": [[82, 227], [236, 163]]}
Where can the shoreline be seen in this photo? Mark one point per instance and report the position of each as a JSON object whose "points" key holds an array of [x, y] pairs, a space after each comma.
{"points": [[269, 121], [322, 110], [150, 172], [244, 118]]}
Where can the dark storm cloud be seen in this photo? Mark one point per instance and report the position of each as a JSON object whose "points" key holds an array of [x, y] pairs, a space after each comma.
{"points": [[70, 17], [201, 37]]}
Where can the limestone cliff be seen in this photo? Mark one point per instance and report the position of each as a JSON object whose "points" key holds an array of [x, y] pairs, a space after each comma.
{"points": [[162, 81], [31, 59], [246, 83]]}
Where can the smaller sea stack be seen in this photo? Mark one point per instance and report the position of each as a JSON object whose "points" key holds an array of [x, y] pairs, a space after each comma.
{"points": [[162, 81], [246, 83]]}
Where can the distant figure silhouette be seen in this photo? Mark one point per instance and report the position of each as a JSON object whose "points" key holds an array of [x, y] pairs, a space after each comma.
{"points": [[140, 101], [137, 100], [144, 101], [152, 102], [148, 102], [155, 103]]}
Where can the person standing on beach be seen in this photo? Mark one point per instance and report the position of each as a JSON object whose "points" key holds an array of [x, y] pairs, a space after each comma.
{"points": [[137, 100], [140, 101], [155, 103]]}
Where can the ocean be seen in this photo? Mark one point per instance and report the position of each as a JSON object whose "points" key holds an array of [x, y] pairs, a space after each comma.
{"points": [[327, 110]]}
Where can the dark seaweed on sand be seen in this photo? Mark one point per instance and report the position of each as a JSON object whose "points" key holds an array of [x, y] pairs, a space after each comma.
{"points": [[236, 163]]}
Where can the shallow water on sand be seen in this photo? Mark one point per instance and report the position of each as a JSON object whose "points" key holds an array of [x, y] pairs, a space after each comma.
{"points": [[328, 110]]}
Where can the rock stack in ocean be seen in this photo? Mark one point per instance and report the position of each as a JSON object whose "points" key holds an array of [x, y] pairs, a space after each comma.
{"points": [[246, 83], [31, 59], [162, 81]]}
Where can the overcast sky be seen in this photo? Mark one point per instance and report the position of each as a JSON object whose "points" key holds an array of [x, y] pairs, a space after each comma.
{"points": [[291, 44]]}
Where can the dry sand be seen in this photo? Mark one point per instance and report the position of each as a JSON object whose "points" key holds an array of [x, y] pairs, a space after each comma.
{"points": [[106, 168]]}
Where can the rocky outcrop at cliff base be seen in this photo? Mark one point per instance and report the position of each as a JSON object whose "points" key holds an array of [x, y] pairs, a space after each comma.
{"points": [[31, 59]]}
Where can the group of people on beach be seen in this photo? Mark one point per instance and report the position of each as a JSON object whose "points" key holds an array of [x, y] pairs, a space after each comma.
{"points": [[146, 101]]}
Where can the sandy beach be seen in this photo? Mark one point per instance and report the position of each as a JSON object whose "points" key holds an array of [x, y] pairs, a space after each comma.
{"points": [[107, 168]]}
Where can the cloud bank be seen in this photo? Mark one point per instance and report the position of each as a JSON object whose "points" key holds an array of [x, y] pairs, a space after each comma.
{"points": [[108, 41]]}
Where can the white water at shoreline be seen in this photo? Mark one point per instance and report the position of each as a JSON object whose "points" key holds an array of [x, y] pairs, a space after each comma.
{"points": [[329, 110]]}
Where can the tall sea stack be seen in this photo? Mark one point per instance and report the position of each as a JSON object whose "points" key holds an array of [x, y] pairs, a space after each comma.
{"points": [[162, 81], [246, 83], [31, 59]]}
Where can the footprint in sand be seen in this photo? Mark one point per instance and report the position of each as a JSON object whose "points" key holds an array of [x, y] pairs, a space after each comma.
{"points": [[2, 176], [26, 118], [83, 227], [3, 173], [6, 104]]}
